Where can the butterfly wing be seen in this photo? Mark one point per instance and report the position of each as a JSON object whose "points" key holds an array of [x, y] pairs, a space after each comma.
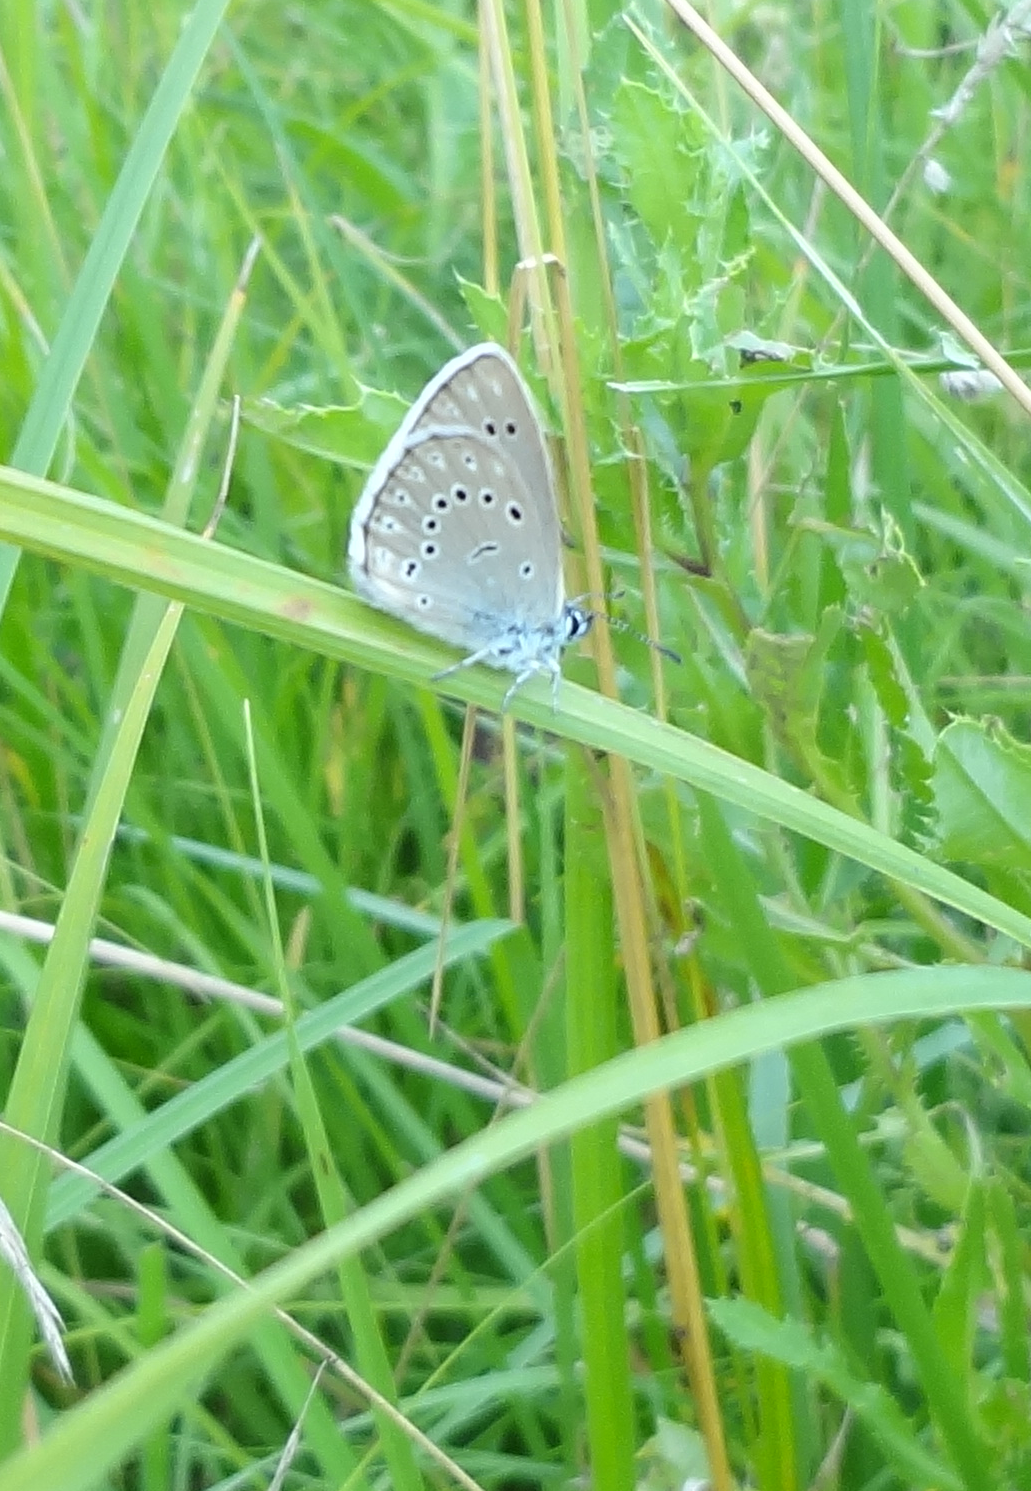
{"points": [[483, 390], [452, 544], [457, 529]]}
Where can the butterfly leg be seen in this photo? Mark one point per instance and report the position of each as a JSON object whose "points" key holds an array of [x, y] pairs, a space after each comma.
{"points": [[513, 688], [526, 675], [490, 655], [482, 656]]}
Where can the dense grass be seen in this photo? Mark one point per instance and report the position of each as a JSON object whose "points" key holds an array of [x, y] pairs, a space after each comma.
{"points": [[755, 923]]}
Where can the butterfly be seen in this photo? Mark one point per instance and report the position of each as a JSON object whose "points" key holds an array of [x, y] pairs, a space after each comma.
{"points": [[457, 529]]}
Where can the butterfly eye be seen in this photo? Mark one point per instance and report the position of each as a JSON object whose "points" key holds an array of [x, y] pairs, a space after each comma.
{"points": [[486, 497], [441, 503], [429, 550], [430, 524], [511, 428], [514, 514], [490, 427], [526, 570], [410, 569], [460, 494]]}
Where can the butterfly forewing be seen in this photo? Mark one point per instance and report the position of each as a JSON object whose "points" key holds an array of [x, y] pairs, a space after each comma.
{"points": [[483, 391], [452, 545], [457, 529]]}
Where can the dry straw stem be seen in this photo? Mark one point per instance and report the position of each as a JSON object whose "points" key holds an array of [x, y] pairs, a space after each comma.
{"points": [[856, 204], [491, 1085], [46, 1313], [628, 868]]}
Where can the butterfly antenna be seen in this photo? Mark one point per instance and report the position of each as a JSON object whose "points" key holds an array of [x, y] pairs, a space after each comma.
{"points": [[617, 624]]}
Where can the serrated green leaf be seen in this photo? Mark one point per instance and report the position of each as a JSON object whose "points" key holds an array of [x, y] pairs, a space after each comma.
{"points": [[787, 676], [982, 785], [884, 679], [966, 1277], [662, 152], [353, 435], [910, 776], [876, 568]]}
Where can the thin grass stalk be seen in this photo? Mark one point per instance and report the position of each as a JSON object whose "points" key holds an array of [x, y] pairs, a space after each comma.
{"points": [[626, 872], [488, 185], [528, 231], [637, 470], [454, 841], [37, 1091], [513, 823], [371, 1357], [454, 787], [600, 1214], [581, 1002]]}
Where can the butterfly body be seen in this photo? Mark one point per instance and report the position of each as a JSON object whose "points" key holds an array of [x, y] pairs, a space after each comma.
{"points": [[457, 529]]}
